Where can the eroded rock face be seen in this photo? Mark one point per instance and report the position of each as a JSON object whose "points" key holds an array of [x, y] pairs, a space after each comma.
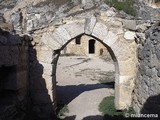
{"points": [[147, 87], [148, 9]]}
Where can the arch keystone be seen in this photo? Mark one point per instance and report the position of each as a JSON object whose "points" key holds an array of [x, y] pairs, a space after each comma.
{"points": [[89, 25]]}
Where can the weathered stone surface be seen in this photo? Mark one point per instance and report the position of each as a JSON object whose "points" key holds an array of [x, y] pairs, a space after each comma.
{"points": [[45, 56], [47, 68], [111, 38], [89, 25], [121, 51], [140, 38], [124, 88], [110, 13], [129, 35], [52, 40], [129, 24], [29, 25], [147, 85], [87, 3], [63, 33], [141, 28], [8, 55], [75, 28], [100, 31]]}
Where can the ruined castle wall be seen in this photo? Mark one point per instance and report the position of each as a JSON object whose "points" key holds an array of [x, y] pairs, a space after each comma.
{"points": [[147, 85], [13, 76]]}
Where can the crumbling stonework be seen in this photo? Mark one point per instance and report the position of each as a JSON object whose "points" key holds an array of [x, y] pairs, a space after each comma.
{"points": [[148, 9], [13, 76], [54, 26], [147, 85]]}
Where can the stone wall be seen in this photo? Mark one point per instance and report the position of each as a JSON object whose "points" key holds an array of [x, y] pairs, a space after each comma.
{"points": [[83, 47], [13, 76], [147, 85]]}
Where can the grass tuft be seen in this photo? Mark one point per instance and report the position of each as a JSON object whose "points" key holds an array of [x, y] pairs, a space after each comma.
{"points": [[107, 107], [62, 111], [127, 6]]}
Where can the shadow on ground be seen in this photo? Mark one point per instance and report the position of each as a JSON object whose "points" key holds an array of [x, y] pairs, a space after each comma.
{"points": [[65, 94]]}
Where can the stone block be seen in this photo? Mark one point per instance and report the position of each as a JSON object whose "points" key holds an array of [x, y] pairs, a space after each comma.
{"points": [[87, 3], [100, 31], [111, 38], [127, 67], [45, 56], [75, 28], [89, 25], [122, 51], [30, 25], [129, 35], [48, 81], [123, 92], [129, 24], [62, 32], [52, 40], [141, 28], [47, 68]]}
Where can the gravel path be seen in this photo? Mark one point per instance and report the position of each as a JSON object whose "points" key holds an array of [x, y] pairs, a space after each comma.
{"points": [[78, 85]]}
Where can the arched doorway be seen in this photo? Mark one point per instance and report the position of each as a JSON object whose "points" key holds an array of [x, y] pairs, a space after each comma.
{"points": [[122, 52], [91, 46], [83, 80]]}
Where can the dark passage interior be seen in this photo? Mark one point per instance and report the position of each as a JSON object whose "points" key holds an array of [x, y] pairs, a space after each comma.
{"points": [[7, 84], [91, 46]]}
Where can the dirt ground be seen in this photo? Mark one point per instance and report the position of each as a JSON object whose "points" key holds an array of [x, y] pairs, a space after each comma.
{"points": [[79, 87]]}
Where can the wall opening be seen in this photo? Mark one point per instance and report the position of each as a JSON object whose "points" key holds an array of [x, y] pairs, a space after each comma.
{"points": [[79, 75], [91, 46], [78, 40]]}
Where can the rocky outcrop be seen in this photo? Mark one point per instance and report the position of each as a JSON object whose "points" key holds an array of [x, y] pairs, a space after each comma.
{"points": [[146, 11], [148, 77]]}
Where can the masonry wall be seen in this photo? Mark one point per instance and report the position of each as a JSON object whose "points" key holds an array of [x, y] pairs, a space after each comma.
{"points": [[147, 84], [13, 76], [83, 47]]}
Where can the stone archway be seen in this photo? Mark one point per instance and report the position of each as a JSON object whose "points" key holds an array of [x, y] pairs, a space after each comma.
{"points": [[122, 52]]}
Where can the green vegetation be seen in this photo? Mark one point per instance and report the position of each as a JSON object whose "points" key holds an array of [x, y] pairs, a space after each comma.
{"points": [[127, 6], [62, 111], [109, 77], [107, 107]]}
